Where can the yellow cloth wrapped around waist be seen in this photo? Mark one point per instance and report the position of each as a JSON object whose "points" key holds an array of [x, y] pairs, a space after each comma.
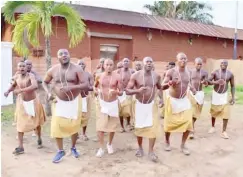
{"points": [[196, 108], [26, 122], [153, 131], [220, 111], [176, 122], [64, 127], [86, 115], [125, 106], [104, 122]]}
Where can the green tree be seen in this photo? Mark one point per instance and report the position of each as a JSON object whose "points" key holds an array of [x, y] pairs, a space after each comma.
{"points": [[39, 18], [183, 10]]}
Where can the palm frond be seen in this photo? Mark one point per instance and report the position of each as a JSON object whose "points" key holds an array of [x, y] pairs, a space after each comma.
{"points": [[10, 7], [28, 22], [75, 25]]}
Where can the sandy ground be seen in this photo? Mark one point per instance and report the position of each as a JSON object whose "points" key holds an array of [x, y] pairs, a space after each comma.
{"points": [[210, 155]]}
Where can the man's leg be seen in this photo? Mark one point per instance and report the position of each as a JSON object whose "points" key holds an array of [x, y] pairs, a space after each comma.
{"points": [[101, 151], [183, 142], [20, 148], [212, 129], [85, 138], [60, 154], [194, 120], [111, 137], [74, 152], [139, 152], [39, 141], [152, 155], [109, 144], [122, 124], [167, 141], [192, 132], [224, 134], [21, 137], [59, 142], [101, 139], [74, 138]]}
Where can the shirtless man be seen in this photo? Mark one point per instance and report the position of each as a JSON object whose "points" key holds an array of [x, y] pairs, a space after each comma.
{"points": [[138, 66], [119, 65], [30, 114], [100, 67], [165, 92], [67, 114], [86, 99], [220, 105], [199, 77], [29, 70], [125, 101], [143, 85], [178, 113], [37, 77], [107, 89]]}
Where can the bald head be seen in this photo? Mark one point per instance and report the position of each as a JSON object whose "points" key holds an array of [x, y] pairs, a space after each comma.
{"points": [[138, 65], [198, 60], [28, 65], [223, 64], [63, 56], [148, 63], [119, 65], [198, 63], [126, 63], [22, 69], [108, 65], [181, 60], [82, 64]]}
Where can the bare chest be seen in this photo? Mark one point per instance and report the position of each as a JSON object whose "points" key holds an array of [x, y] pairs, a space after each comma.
{"points": [[146, 81], [108, 82], [63, 76], [197, 76], [23, 83], [184, 77], [225, 76]]}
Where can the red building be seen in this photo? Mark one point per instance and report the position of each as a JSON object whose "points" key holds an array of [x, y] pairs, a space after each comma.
{"points": [[118, 34]]}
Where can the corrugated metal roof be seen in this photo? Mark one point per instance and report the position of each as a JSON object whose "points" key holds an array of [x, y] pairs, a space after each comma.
{"points": [[113, 16]]}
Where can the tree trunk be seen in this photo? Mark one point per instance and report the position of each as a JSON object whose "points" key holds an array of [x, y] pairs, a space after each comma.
{"points": [[48, 66]]}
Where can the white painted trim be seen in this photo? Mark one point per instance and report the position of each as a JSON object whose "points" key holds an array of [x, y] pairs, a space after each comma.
{"points": [[114, 36], [7, 44], [113, 45]]}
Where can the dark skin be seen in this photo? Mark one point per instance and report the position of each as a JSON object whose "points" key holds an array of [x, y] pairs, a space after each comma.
{"points": [[25, 84], [125, 73], [74, 79], [110, 85], [138, 66], [143, 92], [86, 76], [220, 80], [178, 81], [199, 77]]}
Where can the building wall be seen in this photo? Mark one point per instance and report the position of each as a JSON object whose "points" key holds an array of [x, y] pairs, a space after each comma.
{"points": [[163, 46]]}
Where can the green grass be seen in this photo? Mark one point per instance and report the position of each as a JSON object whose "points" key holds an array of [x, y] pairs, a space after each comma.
{"points": [[238, 93], [7, 114]]}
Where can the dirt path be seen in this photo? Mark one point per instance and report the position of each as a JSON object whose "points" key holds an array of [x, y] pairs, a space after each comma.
{"points": [[210, 155]]}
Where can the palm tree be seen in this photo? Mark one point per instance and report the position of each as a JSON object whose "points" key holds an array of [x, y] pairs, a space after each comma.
{"points": [[184, 10], [39, 18]]}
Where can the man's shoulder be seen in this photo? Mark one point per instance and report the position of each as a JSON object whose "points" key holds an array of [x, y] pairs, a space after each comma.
{"points": [[132, 70], [54, 67], [31, 74]]}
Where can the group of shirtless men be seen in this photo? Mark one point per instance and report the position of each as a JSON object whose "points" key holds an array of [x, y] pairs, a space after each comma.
{"points": [[137, 95]]}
